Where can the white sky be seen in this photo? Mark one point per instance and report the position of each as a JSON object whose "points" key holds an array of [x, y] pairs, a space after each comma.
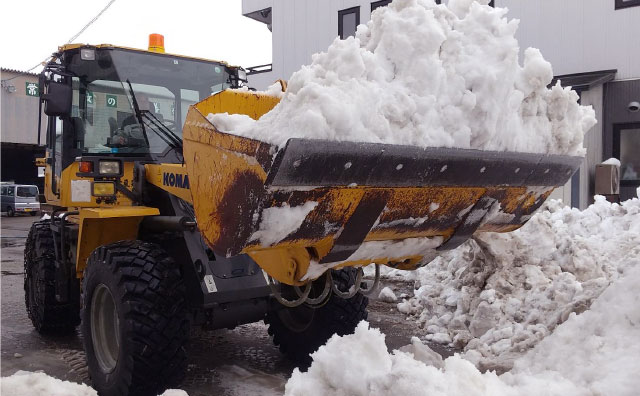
{"points": [[212, 29]]}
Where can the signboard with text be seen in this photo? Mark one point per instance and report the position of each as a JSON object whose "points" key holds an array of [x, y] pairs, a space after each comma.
{"points": [[32, 89]]}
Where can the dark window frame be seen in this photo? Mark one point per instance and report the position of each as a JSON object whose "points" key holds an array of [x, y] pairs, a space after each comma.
{"points": [[342, 13], [380, 3], [626, 4], [617, 129]]}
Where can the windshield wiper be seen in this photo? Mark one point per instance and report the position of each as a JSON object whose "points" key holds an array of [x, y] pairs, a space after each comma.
{"points": [[162, 131], [168, 133], [136, 109]]}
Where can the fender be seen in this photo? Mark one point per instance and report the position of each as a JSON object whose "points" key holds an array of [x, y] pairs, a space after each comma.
{"points": [[101, 226]]}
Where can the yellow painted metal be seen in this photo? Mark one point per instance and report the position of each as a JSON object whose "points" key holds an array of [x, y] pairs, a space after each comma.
{"points": [[121, 211], [101, 226], [255, 105], [336, 206], [172, 178], [223, 169], [69, 175], [286, 265]]}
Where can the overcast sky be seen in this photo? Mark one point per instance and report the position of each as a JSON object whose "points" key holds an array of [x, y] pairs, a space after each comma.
{"points": [[212, 29]]}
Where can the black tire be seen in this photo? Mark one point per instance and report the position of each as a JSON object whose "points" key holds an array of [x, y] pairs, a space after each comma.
{"points": [[300, 331], [10, 211], [47, 315], [33, 213], [152, 327]]}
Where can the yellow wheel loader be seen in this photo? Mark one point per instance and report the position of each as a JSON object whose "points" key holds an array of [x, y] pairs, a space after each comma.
{"points": [[162, 222]]}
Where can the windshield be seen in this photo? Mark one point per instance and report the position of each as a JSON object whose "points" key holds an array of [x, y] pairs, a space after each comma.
{"points": [[27, 192], [163, 86]]}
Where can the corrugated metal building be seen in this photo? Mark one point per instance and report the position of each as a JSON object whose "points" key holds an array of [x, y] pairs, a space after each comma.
{"points": [[19, 127], [594, 46]]}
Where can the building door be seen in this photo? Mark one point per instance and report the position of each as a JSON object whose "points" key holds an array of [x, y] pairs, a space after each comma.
{"points": [[626, 147], [622, 132]]}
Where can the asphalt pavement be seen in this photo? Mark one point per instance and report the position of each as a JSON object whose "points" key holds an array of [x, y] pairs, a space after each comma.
{"points": [[242, 361]]}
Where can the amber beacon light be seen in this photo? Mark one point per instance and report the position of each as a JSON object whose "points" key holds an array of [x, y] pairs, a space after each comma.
{"points": [[156, 42]]}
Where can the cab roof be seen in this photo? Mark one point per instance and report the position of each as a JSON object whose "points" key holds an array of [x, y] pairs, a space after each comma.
{"points": [[68, 47]]}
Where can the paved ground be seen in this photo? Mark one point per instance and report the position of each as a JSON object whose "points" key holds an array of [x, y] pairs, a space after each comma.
{"points": [[242, 361]]}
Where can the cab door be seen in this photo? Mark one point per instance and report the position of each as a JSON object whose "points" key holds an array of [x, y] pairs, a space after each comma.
{"points": [[53, 171]]}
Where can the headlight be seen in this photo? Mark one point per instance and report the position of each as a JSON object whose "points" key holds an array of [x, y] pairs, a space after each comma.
{"points": [[109, 167], [87, 54], [103, 189], [242, 75]]}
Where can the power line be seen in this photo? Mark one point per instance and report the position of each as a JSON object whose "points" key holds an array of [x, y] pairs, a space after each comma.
{"points": [[75, 36], [95, 18]]}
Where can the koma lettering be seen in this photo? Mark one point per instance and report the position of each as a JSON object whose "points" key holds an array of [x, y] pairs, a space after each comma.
{"points": [[175, 180]]}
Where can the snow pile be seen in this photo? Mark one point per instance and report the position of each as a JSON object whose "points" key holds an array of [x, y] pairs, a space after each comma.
{"points": [[39, 384], [592, 353], [387, 295], [499, 295], [612, 161], [280, 221], [427, 75]]}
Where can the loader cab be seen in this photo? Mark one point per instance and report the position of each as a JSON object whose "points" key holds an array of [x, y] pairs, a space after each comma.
{"points": [[105, 102]]}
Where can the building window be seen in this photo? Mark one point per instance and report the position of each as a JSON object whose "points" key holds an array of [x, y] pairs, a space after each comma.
{"points": [[626, 145], [348, 21], [627, 3], [377, 4]]}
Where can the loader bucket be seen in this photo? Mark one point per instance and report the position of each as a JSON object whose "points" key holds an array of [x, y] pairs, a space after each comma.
{"points": [[314, 204]]}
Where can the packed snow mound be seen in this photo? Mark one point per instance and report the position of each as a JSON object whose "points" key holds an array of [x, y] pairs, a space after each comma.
{"points": [[594, 353], [40, 384], [499, 295], [431, 76]]}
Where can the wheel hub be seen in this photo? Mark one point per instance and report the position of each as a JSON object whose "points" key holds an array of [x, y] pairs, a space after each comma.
{"points": [[105, 333]]}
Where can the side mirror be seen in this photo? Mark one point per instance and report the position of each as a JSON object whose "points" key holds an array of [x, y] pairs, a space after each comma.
{"points": [[57, 98]]}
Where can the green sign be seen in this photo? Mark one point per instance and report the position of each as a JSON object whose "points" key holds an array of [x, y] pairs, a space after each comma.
{"points": [[112, 101], [89, 97], [32, 89]]}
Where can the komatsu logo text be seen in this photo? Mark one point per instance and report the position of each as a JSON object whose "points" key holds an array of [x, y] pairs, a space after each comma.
{"points": [[175, 180]]}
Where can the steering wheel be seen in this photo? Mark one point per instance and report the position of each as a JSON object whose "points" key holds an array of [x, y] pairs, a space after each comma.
{"points": [[122, 138]]}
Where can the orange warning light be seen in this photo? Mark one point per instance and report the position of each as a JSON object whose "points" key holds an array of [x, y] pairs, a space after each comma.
{"points": [[156, 42]]}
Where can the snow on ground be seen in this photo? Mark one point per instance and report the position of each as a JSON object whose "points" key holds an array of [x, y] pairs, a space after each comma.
{"points": [[593, 353], [25, 383], [387, 295], [427, 75], [499, 295]]}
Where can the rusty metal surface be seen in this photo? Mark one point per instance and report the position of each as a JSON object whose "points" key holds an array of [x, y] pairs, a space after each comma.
{"points": [[365, 192]]}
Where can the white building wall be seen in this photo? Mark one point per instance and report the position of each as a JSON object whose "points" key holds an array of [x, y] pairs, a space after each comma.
{"points": [[300, 28], [580, 35], [574, 35], [19, 114]]}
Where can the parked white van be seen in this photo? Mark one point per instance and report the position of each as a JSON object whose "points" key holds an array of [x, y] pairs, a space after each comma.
{"points": [[19, 198]]}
